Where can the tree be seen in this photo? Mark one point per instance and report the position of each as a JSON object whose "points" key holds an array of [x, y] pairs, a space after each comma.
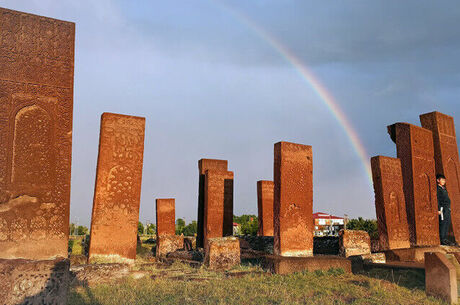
{"points": [[190, 229], [180, 225], [249, 224], [82, 230], [72, 229], [151, 229], [368, 225], [140, 228]]}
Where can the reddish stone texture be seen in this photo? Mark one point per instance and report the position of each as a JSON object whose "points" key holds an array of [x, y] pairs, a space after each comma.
{"points": [[222, 253], [287, 265], [446, 159], [440, 277], [293, 200], [118, 188], [203, 166], [390, 203], [265, 207], [169, 243], [415, 150], [354, 242], [218, 204], [166, 217], [34, 282], [36, 104]]}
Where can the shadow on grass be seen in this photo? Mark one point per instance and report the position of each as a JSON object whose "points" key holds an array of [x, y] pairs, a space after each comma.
{"points": [[412, 279], [76, 298]]}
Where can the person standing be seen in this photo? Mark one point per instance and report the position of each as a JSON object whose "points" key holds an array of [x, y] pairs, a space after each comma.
{"points": [[443, 209]]}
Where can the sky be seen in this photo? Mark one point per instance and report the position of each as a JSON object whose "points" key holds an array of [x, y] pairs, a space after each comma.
{"points": [[211, 85]]}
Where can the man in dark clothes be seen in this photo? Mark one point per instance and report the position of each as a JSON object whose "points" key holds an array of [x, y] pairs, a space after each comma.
{"points": [[443, 209]]}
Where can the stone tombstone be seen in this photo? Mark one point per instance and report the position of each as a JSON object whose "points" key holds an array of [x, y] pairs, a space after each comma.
{"points": [[446, 159], [390, 203], [441, 277], [354, 242], [293, 200], [415, 150], [203, 166], [265, 207], [218, 204], [36, 105], [34, 282], [118, 188], [166, 216], [222, 253]]}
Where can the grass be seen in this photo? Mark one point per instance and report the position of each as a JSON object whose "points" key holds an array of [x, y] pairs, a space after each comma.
{"points": [[207, 287]]}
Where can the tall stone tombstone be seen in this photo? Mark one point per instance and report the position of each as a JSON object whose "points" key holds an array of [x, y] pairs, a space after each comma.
{"points": [[36, 105], [293, 200], [446, 159], [265, 191], [203, 166], [166, 216], [218, 204], [118, 188], [414, 147], [390, 203]]}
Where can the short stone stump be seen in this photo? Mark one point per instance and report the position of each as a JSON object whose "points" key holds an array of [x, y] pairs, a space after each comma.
{"points": [[441, 276], [34, 282], [168, 243], [222, 253], [286, 265], [354, 242]]}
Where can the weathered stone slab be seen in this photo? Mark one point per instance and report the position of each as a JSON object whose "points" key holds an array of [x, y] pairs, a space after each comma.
{"points": [[203, 166], [293, 200], [118, 189], [446, 159], [265, 191], [354, 242], [34, 282], [440, 277], [222, 253], [218, 204], [168, 243], [390, 203], [36, 102], [166, 216], [287, 265], [415, 150]]}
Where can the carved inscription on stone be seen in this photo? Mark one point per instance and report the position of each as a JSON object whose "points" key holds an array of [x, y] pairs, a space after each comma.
{"points": [[415, 150], [293, 200], [390, 203], [446, 159], [36, 101], [166, 216], [218, 204], [118, 186], [265, 191], [203, 166]]}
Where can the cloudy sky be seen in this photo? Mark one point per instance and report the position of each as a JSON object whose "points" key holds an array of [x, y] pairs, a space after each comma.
{"points": [[211, 85]]}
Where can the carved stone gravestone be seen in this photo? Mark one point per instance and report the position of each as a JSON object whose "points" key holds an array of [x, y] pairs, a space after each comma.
{"points": [[265, 191], [390, 203], [118, 189], [293, 200]]}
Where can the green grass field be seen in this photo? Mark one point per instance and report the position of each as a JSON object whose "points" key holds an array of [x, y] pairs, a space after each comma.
{"points": [[200, 286]]}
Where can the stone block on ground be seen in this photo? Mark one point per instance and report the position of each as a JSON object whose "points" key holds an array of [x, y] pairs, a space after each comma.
{"points": [[354, 242], [286, 265], [440, 277], [34, 282], [169, 243], [376, 258], [222, 253]]}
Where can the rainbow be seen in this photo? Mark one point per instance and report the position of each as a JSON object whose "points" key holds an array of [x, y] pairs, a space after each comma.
{"points": [[308, 76]]}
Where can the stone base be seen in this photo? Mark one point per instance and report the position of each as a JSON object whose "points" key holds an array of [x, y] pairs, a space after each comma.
{"points": [[376, 258], [286, 265], [416, 254], [354, 242], [34, 282], [168, 243], [98, 273], [222, 253]]}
